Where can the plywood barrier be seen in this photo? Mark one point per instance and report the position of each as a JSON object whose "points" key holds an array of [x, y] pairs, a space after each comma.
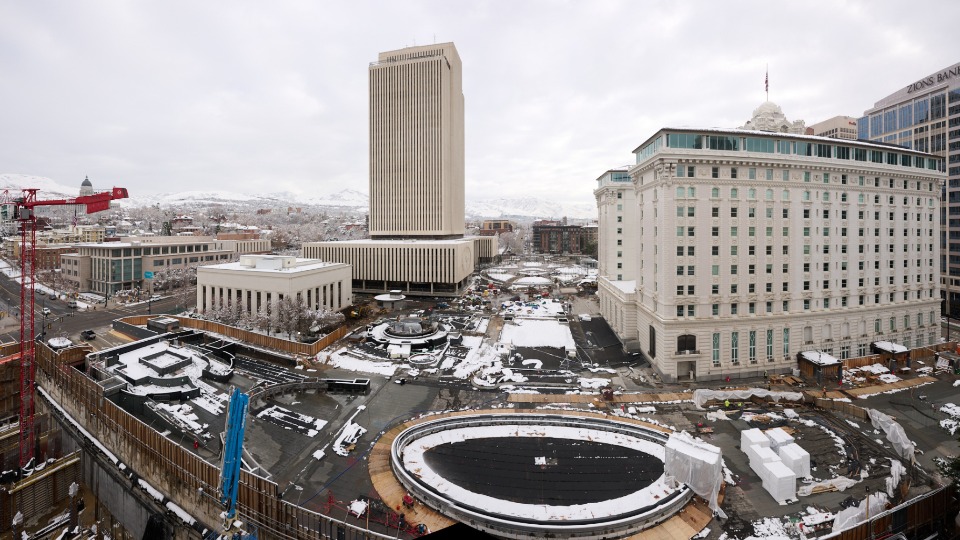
{"points": [[176, 471], [246, 336]]}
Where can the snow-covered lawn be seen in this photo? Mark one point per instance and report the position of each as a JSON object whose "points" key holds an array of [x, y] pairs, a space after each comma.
{"points": [[538, 333], [348, 360]]}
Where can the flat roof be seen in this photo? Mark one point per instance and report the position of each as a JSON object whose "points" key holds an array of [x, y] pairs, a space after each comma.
{"points": [[820, 358], [317, 265], [387, 241], [779, 135]]}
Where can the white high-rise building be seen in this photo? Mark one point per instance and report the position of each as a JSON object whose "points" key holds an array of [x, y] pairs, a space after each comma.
{"points": [[417, 143], [730, 251]]}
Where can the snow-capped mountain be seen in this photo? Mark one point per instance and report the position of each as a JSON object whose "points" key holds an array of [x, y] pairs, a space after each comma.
{"points": [[346, 199], [528, 207], [48, 188]]}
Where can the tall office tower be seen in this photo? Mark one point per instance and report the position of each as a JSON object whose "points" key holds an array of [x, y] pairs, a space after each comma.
{"points": [[417, 143], [925, 116], [729, 251], [416, 240]]}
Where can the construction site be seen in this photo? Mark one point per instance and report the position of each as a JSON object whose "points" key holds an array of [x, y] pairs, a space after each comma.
{"points": [[516, 418]]}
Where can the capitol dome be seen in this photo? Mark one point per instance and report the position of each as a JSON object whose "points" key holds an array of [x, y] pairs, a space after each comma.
{"points": [[86, 187], [769, 117]]}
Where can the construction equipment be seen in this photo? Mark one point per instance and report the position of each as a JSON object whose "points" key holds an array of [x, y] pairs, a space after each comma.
{"points": [[233, 452], [24, 206]]}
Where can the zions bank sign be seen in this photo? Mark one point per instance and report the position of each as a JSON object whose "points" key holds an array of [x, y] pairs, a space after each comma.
{"points": [[941, 77]]}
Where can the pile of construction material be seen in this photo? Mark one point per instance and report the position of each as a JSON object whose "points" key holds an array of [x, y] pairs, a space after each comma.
{"points": [[699, 465], [777, 460]]}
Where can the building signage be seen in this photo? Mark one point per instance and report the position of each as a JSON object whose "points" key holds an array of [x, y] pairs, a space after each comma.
{"points": [[939, 78], [148, 275]]}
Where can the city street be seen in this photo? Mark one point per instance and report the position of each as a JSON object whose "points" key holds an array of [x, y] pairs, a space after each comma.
{"points": [[69, 322]]}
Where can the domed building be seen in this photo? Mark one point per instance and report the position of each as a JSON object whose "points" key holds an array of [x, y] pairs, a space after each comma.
{"points": [[769, 117], [86, 188]]}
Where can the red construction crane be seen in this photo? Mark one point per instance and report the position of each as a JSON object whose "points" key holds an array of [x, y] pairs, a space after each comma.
{"points": [[24, 205]]}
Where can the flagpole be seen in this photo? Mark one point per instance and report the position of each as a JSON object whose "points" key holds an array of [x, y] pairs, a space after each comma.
{"points": [[766, 82]]}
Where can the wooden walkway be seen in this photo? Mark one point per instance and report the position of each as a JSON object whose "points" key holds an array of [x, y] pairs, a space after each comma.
{"points": [[595, 398], [686, 523], [877, 388]]}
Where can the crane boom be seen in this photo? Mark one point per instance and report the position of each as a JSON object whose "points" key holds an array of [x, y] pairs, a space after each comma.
{"points": [[24, 205]]}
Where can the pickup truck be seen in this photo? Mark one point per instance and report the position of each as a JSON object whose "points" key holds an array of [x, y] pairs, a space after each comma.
{"points": [[88, 335]]}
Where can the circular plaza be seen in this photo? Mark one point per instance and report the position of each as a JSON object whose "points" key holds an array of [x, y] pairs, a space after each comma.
{"points": [[533, 475]]}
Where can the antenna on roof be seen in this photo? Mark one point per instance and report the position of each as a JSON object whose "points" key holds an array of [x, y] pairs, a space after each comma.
{"points": [[766, 82]]}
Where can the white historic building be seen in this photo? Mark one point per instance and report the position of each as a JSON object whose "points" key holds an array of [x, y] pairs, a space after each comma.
{"points": [[258, 280], [729, 251]]}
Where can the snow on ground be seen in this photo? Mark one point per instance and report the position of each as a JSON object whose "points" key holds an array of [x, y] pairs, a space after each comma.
{"points": [[533, 280], [349, 360], [482, 325], [348, 436], [950, 424], [537, 333], [479, 357], [586, 382], [536, 308], [413, 461], [770, 528], [837, 441], [951, 409], [184, 415], [892, 391], [280, 416], [501, 277]]}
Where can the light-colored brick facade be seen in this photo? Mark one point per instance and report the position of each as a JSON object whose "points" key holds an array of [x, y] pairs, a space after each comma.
{"points": [[741, 249]]}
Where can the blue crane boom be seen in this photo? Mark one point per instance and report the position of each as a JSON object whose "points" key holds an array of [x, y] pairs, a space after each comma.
{"points": [[233, 451]]}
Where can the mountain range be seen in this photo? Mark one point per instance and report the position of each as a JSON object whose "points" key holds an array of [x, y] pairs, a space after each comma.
{"points": [[345, 200]]}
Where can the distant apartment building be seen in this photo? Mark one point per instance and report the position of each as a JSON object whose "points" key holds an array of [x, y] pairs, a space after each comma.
{"points": [[729, 251], [259, 280], [48, 255], [557, 237], [924, 115], [106, 268], [58, 237], [838, 127], [243, 243], [493, 227]]}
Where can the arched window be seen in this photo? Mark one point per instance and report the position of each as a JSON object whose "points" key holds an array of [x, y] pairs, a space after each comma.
{"points": [[686, 342]]}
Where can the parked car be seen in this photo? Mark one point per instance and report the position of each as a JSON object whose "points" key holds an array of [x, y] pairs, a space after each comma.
{"points": [[88, 335], [53, 296], [73, 304]]}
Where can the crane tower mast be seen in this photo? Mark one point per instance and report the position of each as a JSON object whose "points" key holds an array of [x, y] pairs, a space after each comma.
{"points": [[24, 214]]}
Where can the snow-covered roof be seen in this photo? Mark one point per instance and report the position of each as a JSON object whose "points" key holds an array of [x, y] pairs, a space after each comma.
{"points": [[890, 347], [820, 358], [625, 286]]}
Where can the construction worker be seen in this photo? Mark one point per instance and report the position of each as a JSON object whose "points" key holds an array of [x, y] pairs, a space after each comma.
{"points": [[726, 404]]}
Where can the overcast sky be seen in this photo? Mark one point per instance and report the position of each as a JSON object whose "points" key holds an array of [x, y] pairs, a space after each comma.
{"points": [[256, 96]]}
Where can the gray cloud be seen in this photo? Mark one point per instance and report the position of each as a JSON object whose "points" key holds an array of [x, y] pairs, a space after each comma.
{"points": [[259, 97]]}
